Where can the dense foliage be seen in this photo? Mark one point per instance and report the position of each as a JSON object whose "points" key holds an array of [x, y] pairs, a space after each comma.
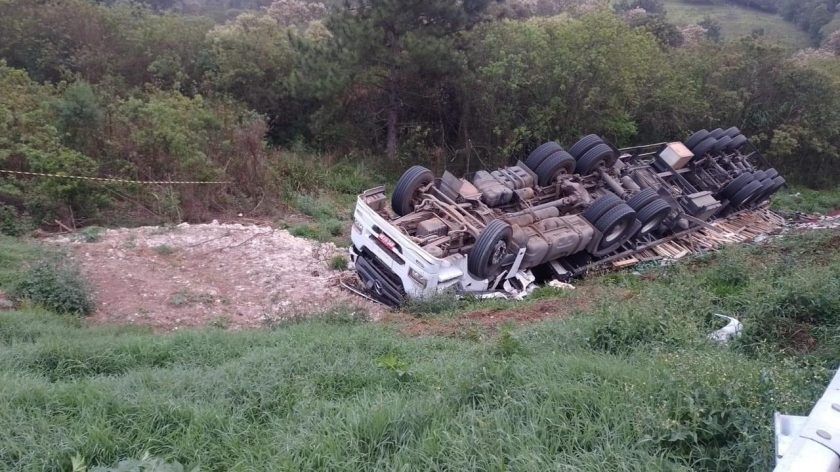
{"points": [[123, 89]]}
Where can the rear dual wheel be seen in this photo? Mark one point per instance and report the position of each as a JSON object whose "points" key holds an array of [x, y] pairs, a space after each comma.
{"points": [[652, 215], [549, 161]]}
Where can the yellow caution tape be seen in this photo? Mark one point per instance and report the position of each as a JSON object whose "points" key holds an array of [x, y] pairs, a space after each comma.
{"points": [[108, 179]]}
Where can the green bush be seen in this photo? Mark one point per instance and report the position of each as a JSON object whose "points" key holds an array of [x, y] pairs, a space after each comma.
{"points": [[338, 263], [56, 286]]}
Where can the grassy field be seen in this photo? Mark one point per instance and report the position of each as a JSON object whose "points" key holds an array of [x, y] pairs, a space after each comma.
{"points": [[807, 201], [737, 21], [630, 384]]}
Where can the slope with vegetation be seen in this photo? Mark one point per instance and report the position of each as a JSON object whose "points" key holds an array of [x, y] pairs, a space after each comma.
{"points": [[737, 21], [629, 383], [273, 99]]}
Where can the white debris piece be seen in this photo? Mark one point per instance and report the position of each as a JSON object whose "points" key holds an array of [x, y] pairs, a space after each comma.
{"points": [[728, 332], [561, 285]]}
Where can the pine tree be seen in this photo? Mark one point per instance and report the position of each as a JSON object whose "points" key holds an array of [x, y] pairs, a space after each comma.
{"points": [[376, 36]]}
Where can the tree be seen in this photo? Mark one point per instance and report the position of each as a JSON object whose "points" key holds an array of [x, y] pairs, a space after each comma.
{"points": [[296, 12], [376, 38]]}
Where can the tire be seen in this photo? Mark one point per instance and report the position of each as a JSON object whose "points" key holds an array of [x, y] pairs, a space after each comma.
{"points": [[652, 215], [737, 142], [408, 185], [539, 154], [722, 143], [766, 190], [717, 133], [554, 165], [584, 144], [760, 176], [615, 225], [594, 158], [746, 194], [704, 147], [778, 183], [600, 206], [696, 138], [732, 132], [485, 259], [641, 199], [735, 185], [772, 173]]}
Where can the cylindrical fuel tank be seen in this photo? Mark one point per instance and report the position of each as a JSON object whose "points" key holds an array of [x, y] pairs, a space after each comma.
{"points": [[553, 238]]}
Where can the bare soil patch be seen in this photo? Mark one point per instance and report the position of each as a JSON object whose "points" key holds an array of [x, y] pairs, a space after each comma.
{"points": [[491, 320], [228, 275]]}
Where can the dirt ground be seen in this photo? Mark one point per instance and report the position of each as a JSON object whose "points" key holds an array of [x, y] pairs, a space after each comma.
{"points": [[249, 276], [489, 321], [227, 275]]}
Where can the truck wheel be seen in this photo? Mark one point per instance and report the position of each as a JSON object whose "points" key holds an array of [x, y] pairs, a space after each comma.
{"points": [[766, 190], [599, 155], [601, 206], [616, 225], [641, 199], [732, 132], [778, 183], [652, 215], [722, 143], [554, 165], [759, 176], [490, 249], [746, 194], [539, 154], [584, 144], [717, 133], [736, 185], [704, 147], [737, 142], [408, 185], [771, 173], [696, 138]]}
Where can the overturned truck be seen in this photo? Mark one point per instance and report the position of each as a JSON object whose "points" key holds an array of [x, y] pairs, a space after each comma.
{"points": [[555, 215]]}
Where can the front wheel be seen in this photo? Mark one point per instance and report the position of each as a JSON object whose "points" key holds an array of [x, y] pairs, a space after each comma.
{"points": [[491, 248], [411, 181]]}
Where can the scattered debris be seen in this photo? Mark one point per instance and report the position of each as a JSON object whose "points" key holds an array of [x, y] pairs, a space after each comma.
{"points": [[816, 222], [561, 285], [729, 332]]}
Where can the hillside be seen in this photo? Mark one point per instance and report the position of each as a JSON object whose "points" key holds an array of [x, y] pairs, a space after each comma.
{"points": [[738, 21], [621, 377]]}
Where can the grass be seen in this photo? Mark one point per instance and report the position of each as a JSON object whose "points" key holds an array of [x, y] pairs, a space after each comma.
{"points": [[807, 201], [738, 21], [631, 385]]}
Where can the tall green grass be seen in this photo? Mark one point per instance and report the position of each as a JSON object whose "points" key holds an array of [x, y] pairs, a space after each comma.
{"points": [[631, 385]]}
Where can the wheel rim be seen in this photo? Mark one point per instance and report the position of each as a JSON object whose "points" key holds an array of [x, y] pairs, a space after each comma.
{"points": [[652, 224], [499, 251], [615, 232]]}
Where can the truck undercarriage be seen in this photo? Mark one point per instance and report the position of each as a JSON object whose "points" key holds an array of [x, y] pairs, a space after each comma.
{"points": [[555, 215]]}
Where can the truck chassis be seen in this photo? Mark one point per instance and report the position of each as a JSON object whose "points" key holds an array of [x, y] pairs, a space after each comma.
{"points": [[557, 215]]}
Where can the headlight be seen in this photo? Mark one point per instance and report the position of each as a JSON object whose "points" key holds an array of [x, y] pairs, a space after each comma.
{"points": [[417, 277]]}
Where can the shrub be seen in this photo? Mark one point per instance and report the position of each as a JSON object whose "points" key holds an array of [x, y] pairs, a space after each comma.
{"points": [[91, 234], [56, 286], [338, 263]]}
